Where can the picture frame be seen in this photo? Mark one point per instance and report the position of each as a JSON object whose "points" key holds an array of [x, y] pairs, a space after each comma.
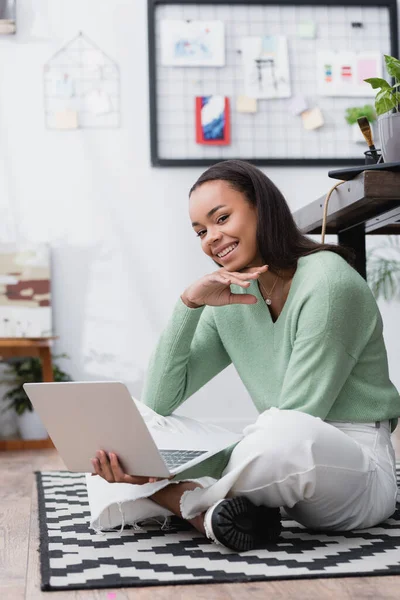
{"points": [[213, 122], [178, 134]]}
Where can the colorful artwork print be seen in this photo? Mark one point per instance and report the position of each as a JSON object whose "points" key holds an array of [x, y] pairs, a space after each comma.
{"points": [[25, 297], [192, 43], [266, 67], [212, 120], [343, 73]]}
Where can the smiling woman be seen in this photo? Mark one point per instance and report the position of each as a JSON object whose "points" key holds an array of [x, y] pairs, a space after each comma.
{"points": [[312, 357], [244, 222]]}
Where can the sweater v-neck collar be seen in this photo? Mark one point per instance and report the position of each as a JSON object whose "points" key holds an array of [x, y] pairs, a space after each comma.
{"points": [[264, 307]]}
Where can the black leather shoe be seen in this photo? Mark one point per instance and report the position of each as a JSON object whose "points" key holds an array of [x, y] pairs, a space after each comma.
{"points": [[240, 525]]}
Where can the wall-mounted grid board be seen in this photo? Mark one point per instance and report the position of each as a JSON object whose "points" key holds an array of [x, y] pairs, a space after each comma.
{"points": [[272, 135]]}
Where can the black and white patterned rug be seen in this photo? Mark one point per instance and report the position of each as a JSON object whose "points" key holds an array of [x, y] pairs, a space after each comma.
{"points": [[73, 556]]}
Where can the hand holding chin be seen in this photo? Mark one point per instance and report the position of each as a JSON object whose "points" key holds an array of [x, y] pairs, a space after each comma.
{"points": [[214, 289]]}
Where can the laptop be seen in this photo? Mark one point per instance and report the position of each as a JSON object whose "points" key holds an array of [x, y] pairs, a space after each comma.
{"points": [[84, 417]]}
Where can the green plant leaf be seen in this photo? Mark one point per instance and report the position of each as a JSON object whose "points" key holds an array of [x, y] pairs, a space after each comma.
{"points": [[392, 66], [21, 409], [377, 82], [385, 101]]}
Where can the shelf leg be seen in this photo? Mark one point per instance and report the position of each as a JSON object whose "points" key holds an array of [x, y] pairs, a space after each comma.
{"points": [[355, 238]]}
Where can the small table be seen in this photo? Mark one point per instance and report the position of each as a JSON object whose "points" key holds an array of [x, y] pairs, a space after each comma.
{"points": [[368, 204], [35, 347]]}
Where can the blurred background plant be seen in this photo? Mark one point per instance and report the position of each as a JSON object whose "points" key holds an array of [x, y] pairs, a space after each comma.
{"points": [[355, 112], [383, 269], [27, 370]]}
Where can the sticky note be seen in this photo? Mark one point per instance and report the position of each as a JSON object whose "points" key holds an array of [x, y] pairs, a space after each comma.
{"points": [[297, 105], [66, 119], [307, 30], [245, 104], [367, 67], [312, 119]]}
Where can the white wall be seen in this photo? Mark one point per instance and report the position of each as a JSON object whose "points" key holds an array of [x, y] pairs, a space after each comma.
{"points": [[123, 249]]}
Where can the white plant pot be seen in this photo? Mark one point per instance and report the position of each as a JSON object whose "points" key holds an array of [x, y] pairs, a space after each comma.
{"points": [[30, 426], [389, 135]]}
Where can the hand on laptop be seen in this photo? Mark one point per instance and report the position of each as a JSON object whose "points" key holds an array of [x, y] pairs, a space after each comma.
{"points": [[109, 468]]}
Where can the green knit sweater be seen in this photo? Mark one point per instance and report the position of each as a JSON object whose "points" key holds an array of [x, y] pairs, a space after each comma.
{"points": [[325, 354]]}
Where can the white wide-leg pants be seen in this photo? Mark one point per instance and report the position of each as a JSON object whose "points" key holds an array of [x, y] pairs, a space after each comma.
{"points": [[325, 475]]}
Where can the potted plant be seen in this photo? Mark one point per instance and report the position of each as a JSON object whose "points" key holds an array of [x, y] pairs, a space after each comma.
{"points": [[387, 102], [355, 112], [28, 370]]}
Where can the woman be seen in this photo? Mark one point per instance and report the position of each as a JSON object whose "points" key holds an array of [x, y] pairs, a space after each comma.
{"points": [[305, 335]]}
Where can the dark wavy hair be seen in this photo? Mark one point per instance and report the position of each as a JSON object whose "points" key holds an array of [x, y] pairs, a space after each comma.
{"points": [[279, 240]]}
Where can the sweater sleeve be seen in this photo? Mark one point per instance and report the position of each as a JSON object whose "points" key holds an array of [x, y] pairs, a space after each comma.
{"points": [[189, 353]]}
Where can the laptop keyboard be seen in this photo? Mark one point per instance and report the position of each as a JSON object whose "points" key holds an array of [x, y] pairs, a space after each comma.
{"points": [[176, 458]]}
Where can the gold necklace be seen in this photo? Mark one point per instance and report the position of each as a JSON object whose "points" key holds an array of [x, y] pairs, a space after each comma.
{"points": [[268, 294]]}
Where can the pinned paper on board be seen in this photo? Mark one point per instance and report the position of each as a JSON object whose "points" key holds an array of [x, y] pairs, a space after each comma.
{"points": [[343, 73], [307, 30], [64, 86], [192, 43], [244, 104], [98, 102], [312, 118], [66, 119], [266, 67], [212, 120]]}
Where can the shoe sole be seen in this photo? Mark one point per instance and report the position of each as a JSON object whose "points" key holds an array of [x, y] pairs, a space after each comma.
{"points": [[240, 525]]}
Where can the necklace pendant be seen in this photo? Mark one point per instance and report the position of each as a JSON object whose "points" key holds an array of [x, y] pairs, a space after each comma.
{"points": [[268, 301]]}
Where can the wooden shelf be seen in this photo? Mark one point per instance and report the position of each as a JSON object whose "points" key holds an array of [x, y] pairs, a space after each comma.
{"points": [[18, 444], [36, 347]]}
